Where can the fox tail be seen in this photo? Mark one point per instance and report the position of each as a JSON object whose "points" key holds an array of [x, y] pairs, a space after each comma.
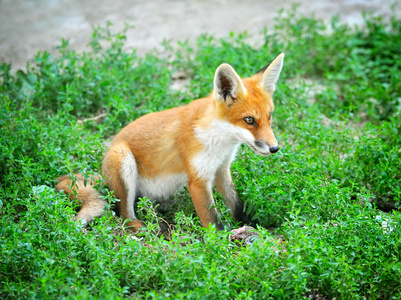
{"points": [[83, 189]]}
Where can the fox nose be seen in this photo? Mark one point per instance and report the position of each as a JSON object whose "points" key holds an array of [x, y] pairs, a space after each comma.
{"points": [[274, 149]]}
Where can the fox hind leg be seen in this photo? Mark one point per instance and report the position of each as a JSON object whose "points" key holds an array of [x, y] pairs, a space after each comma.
{"points": [[121, 173]]}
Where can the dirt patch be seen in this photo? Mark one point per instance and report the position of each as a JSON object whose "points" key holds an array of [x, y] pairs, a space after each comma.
{"points": [[29, 26]]}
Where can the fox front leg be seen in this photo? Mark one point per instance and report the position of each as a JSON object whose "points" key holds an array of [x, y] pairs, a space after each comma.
{"points": [[225, 185], [201, 193]]}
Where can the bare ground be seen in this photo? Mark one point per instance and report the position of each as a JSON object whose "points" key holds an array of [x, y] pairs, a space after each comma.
{"points": [[29, 26]]}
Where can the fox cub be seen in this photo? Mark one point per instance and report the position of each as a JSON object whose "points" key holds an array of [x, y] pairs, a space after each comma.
{"points": [[192, 145]]}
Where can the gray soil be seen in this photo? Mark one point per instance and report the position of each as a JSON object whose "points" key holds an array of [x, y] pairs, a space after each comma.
{"points": [[29, 26]]}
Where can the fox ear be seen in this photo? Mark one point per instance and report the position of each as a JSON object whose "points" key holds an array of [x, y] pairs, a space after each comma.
{"points": [[227, 84], [271, 74]]}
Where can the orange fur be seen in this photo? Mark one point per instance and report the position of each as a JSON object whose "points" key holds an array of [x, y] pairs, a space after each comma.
{"points": [[92, 202], [191, 145]]}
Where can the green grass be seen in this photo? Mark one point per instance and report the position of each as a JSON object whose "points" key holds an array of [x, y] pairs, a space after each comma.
{"points": [[337, 119]]}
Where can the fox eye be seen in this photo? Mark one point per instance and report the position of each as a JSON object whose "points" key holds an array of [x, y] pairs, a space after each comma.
{"points": [[249, 120]]}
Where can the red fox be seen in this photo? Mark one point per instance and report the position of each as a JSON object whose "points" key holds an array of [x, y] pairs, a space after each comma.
{"points": [[192, 145]]}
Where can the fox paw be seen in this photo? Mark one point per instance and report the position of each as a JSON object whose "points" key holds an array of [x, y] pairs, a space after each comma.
{"points": [[135, 225]]}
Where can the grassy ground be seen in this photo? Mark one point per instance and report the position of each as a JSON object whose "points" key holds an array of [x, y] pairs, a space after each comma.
{"points": [[337, 119]]}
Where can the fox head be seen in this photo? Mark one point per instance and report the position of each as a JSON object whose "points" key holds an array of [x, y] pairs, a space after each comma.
{"points": [[248, 104]]}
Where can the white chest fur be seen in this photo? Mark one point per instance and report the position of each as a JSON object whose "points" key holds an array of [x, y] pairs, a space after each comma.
{"points": [[221, 141]]}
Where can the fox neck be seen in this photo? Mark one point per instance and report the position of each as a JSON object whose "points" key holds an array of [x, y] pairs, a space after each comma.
{"points": [[220, 142]]}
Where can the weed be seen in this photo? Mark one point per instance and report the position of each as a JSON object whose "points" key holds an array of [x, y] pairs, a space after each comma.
{"points": [[337, 122]]}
